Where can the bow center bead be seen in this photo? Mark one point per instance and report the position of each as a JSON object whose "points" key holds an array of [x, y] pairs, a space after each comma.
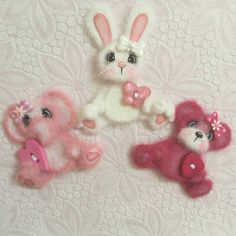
{"points": [[136, 95]]}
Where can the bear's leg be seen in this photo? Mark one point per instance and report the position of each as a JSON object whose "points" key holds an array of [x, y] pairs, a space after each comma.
{"points": [[30, 175], [90, 155], [199, 189], [144, 156]]}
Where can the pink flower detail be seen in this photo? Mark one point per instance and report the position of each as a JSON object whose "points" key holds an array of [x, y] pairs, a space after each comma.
{"points": [[134, 95], [21, 109], [216, 125]]}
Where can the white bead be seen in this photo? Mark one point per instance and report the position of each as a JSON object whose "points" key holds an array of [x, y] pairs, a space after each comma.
{"points": [[193, 166]]}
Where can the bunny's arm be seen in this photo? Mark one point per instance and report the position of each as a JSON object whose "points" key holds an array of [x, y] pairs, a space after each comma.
{"points": [[163, 107], [158, 113], [94, 108]]}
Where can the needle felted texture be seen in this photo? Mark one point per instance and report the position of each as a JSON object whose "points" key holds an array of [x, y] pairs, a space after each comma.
{"points": [[179, 157], [122, 97], [48, 147]]}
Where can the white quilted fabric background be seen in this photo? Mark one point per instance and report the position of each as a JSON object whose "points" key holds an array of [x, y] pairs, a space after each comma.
{"points": [[191, 54]]}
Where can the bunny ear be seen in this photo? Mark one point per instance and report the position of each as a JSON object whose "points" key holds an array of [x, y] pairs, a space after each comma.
{"points": [[10, 127], [138, 23], [103, 28], [138, 27], [99, 27]]}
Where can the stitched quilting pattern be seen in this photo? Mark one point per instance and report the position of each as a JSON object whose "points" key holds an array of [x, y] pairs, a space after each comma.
{"points": [[190, 54]]}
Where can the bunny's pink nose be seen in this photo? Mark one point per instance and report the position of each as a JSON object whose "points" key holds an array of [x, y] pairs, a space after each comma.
{"points": [[121, 64]]}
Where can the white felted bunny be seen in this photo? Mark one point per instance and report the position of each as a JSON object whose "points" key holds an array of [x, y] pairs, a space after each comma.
{"points": [[120, 98]]}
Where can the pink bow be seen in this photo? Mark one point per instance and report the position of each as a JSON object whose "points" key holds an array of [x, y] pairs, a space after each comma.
{"points": [[134, 95], [21, 109], [216, 125]]}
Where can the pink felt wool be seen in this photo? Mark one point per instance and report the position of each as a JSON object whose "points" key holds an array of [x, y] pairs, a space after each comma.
{"points": [[179, 157], [49, 148], [134, 95], [102, 25]]}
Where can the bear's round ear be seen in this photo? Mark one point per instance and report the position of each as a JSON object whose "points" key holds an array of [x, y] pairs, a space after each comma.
{"points": [[221, 140], [10, 128], [186, 112], [63, 104]]}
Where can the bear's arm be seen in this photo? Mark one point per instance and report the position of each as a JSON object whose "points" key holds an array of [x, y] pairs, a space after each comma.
{"points": [[193, 167]]}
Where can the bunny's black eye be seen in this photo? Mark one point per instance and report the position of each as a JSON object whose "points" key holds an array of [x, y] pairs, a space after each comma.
{"points": [[110, 57], [192, 124], [132, 58], [46, 113], [26, 120], [210, 135]]}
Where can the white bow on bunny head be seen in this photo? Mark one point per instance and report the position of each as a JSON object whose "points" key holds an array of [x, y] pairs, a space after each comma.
{"points": [[119, 59], [126, 45]]}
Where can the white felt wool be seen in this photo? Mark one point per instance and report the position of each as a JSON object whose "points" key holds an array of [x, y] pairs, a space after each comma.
{"points": [[119, 63], [115, 110], [188, 137], [56, 155]]}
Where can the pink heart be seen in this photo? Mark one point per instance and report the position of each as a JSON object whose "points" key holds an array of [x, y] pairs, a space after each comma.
{"points": [[34, 152], [134, 95], [191, 165]]}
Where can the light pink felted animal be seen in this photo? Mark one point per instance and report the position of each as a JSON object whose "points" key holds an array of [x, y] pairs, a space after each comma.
{"points": [[179, 157], [48, 146], [123, 96]]}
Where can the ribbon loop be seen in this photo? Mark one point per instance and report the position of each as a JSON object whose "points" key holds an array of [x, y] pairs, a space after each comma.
{"points": [[20, 110], [126, 45], [216, 125]]}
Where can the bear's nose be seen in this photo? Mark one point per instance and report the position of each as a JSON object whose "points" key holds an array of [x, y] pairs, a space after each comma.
{"points": [[199, 134]]}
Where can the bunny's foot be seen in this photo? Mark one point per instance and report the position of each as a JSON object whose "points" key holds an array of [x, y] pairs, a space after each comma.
{"points": [[90, 124], [93, 126], [162, 113]]}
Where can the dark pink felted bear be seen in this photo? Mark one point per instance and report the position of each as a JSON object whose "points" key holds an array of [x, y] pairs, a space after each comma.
{"points": [[179, 157]]}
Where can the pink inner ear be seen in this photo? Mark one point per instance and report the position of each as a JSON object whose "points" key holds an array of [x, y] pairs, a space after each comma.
{"points": [[102, 25], [138, 27]]}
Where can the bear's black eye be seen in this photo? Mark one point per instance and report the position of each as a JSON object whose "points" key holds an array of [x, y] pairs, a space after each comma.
{"points": [[210, 135], [192, 124], [132, 58], [110, 57], [46, 113], [26, 120]]}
